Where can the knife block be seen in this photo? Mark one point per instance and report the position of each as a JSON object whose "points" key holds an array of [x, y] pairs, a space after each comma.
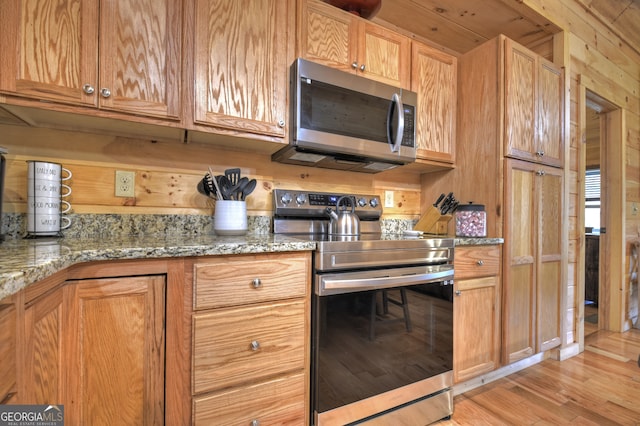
{"points": [[433, 222]]}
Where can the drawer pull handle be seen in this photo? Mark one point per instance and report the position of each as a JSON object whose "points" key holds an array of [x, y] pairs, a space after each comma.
{"points": [[255, 345], [480, 262], [255, 423], [257, 283]]}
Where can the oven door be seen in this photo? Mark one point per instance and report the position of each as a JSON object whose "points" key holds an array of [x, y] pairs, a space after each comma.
{"points": [[375, 332]]}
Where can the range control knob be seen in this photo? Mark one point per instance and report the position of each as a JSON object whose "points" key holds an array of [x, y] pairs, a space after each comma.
{"points": [[301, 199], [362, 202], [374, 202], [286, 198]]}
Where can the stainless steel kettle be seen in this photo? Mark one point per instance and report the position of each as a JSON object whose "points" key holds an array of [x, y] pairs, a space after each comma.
{"points": [[344, 222]]}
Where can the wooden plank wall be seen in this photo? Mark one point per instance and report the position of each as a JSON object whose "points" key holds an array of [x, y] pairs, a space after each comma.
{"points": [[167, 174], [612, 69]]}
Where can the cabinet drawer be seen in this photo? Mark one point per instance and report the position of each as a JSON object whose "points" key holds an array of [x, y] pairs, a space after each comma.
{"points": [[280, 401], [241, 280], [476, 261], [242, 345]]}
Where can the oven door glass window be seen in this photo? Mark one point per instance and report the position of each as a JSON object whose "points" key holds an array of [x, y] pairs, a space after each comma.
{"points": [[370, 342]]}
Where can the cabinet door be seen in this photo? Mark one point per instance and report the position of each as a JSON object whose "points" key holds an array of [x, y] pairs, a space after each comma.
{"points": [[140, 56], [8, 347], [49, 49], [520, 101], [476, 322], [519, 274], [242, 58], [434, 77], [116, 350], [550, 114], [384, 55], [327, 35], [549, 188], [43, 362]]}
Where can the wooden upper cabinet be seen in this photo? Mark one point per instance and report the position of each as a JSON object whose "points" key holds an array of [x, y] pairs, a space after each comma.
{"points": [[123, 56], [338, 39], [550, 117], [141, 66], [434, 77], [49, 51], [241, 64], [533, 107]]}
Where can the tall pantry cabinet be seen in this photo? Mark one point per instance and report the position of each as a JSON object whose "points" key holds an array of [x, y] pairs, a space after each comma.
{"points": [[511, 103]]}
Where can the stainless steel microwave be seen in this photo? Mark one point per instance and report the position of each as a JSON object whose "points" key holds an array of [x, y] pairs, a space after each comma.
{"points": [[343, 121]]}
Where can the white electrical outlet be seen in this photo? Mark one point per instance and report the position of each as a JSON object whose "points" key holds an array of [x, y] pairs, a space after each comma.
{"points": [[388, 198], [125, 183]]}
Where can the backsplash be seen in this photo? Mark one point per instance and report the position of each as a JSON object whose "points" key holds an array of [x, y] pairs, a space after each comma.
{"points": [[112, 225]]}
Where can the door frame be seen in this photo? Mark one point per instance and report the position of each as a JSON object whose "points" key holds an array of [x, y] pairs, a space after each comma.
{"points": [[612, 260]]}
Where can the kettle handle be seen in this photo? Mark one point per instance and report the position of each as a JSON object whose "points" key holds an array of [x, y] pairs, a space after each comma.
{"points": [[351, 200]]}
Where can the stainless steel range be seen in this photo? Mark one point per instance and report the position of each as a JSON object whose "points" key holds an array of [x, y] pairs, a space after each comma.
{"points": [[382, 314]]}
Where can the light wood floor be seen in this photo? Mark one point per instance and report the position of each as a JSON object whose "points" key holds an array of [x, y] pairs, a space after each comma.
{"points": [[601, 386]]}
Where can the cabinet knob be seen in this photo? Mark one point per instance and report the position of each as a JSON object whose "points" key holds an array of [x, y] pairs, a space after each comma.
{"points": [[88, 89], [540, 153], [354, 65], [255, 423], [105, 92], [480, 262], [540, 173], [257, 283], [362, 67], [255, 345], [458, 292], [281, 123]]}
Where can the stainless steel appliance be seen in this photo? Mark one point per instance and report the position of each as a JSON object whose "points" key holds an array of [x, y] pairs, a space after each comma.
{"points": [[343, 121], [3, 165], [382, 316]]}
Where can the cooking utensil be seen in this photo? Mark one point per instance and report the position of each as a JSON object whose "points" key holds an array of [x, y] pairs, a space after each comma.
{"points": [[248, 189], [233, 175], [213, 183], [203, 188], [226, 189], [242, 183]]}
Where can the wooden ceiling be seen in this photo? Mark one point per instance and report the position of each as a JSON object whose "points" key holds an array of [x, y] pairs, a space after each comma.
{"points": [[460, 25]]}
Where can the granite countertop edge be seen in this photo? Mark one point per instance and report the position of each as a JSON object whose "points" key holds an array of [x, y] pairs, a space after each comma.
{"points": [[24, 262]]}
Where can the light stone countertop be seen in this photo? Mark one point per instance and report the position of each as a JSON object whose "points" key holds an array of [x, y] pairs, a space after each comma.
{"points": [[26, 261]]}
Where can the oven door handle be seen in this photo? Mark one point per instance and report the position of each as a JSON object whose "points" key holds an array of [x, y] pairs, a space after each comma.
{"points": [[335, 285]]}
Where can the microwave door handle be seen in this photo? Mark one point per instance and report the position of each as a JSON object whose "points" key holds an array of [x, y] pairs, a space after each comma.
{"points": [[395, 140]]}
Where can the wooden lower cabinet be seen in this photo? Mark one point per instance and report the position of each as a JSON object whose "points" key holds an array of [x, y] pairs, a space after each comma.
{"points": [[44, 364], [95, 345], [8, 346], [115, 345], [476, 311], [251, 344], [218, 340], [533, 263]]}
